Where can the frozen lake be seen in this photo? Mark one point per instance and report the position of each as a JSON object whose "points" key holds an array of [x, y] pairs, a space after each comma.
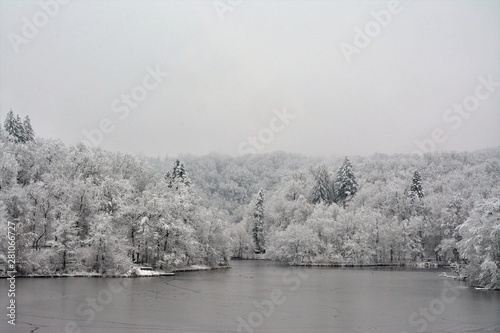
{"points": [[258, 296]]}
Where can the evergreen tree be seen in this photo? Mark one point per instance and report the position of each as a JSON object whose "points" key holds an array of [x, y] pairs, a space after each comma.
{"points": [[322, 191], [19, 133], [10, 124], [346, 183], [15, 128], [178, 175], [258, 225], [29, 134], [416, 187]]}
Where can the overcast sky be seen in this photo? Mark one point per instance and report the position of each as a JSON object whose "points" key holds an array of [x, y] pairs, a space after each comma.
{"points": [[234, 65]]}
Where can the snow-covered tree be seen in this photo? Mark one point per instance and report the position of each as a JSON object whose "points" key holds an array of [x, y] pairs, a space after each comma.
{"points": [[298, 243], [322, 191], [108, 253], [283, 212], [346, 185], [214, 239], [9, 123], [258, 222], [20, 131], [177, 176], [480, 245], [9, 169], [296, 185], [29, 134], [14, 127], [241, 241], [416, 190], [65, 241]]}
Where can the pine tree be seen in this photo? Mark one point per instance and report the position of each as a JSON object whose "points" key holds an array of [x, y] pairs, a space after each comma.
{"points": [[416, 190], [258, 225], [346, 184], [15, 128], [29, 134], [322, 191], [10, 123], [178, 175], [19, 132]]}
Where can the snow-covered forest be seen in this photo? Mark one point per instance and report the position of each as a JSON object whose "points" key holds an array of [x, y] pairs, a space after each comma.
{"points": [[443, 207], [85, 209]]}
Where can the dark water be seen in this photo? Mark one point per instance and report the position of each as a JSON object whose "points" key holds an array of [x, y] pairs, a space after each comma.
{"points": [[255, 296]]}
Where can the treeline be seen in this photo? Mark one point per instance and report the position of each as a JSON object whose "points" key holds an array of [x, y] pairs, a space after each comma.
{"points": [[80, 209], [382, 208], [85, 209]]}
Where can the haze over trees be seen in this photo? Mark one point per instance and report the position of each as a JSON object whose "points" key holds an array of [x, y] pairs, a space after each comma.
{"points": [[394, 208], [86, 209]]}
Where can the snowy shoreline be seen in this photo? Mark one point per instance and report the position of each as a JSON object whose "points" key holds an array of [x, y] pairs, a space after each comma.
{"points": [[132, 274], [351, 265]]}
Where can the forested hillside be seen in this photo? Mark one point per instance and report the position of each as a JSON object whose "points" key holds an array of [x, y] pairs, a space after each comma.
{"points": [[86, 209], [381, 208], [89, 210]]}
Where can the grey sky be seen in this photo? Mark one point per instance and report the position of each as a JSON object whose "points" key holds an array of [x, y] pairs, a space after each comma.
{"points": [[226, 74]]}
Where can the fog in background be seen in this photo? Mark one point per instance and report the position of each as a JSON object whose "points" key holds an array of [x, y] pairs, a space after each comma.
{"points": [[233, 66]]}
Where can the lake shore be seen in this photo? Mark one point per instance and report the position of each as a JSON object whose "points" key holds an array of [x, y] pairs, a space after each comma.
{"points": [[352, 265], [135, 273]]}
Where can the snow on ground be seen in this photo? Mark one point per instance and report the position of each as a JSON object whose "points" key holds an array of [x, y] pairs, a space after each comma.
{"points": [[192, 268], [137, 271]]}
